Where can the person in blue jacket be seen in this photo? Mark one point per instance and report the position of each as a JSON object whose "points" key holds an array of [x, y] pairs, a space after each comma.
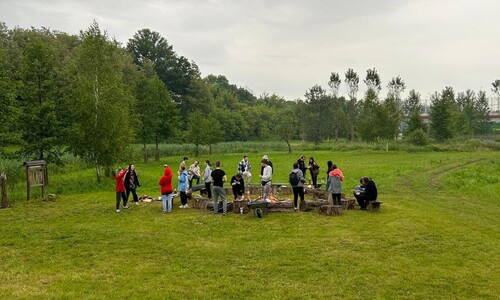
{"points": [[183, 186]]}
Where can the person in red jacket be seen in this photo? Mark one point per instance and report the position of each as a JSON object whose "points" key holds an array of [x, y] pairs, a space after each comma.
{"points": [[120, 189], [166, 189]]}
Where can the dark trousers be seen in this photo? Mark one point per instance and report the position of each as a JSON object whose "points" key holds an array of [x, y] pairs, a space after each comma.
{"points": [[184, 199], [119, 197], [314, 180], [362, 201], [191, 181], [297, 191], [208, 189], [134, 194], [336, 199]]}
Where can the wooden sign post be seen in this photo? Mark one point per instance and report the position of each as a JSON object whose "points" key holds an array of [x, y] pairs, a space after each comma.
{"points": [[3, 183], [35, 175]]}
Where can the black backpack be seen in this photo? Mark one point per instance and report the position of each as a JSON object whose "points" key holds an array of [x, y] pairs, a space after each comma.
{"points": [[294, 179]]}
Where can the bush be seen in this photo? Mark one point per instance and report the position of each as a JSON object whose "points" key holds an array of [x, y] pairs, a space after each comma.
{"points": [[418, 137]]}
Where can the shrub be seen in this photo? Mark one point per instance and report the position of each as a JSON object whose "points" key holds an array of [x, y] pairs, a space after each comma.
{"points": [[418, 137]]}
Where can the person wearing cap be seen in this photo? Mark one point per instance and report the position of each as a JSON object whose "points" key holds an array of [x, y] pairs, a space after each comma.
{"points": [[269, 163], [266, 179]]}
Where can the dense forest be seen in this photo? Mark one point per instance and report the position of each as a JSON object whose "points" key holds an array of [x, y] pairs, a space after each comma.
{"points": [[91, 96]]}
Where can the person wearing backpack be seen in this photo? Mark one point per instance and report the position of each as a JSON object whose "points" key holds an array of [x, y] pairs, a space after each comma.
{"points": [[297, 181]]}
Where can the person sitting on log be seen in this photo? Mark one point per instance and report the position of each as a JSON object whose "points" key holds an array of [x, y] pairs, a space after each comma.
{"points": [[366, 193]]}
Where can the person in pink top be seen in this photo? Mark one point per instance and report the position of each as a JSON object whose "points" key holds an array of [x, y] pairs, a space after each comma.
{"points": [[334, 184]]}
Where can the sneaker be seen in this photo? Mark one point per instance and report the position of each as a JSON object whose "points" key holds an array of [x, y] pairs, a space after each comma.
{"points": [[224, 214], [136, 203], [185, 206], [296, 208], [164, 212], [126, 207], [182, 206], [118, 210]]}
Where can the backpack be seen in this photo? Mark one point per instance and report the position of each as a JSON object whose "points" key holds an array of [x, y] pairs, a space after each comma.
{"points": [[294, 179]]}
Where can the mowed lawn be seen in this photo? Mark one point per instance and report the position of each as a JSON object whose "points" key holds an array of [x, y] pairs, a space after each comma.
{"points": [[436, 237]]}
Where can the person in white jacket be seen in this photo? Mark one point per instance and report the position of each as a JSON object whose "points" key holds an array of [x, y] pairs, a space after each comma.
{"points": [[266, 178], [207, 178]]}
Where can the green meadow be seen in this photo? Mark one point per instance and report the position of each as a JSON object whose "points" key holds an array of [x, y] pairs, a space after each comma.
{"points": [[436, 237]]}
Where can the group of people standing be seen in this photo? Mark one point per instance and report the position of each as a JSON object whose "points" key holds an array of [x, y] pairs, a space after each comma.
{"points": [[127, 181]]}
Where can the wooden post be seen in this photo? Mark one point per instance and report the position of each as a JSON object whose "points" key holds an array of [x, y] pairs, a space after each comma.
{"points": [[28, 183], [3, 179], [347, 203]]}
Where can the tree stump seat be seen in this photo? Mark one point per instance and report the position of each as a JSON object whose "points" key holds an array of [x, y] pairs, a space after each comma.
{"points": [[374, 206], [331, 210], [240, 206], [200, 202], [347, 203]]}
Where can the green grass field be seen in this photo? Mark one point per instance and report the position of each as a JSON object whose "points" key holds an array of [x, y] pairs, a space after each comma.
{"points": [[436, 237]]}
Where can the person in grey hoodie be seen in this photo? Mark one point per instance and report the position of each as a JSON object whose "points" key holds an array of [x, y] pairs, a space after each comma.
{"points": [[207, 178], [297, 181]]}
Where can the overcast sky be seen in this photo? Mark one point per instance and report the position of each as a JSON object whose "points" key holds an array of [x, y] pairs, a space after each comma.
{"points": [[286, 47]]}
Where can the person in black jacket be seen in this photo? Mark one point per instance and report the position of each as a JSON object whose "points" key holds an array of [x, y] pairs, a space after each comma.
{"points": [[238, 185], [132, 183], [368, 192], [302, 164]]}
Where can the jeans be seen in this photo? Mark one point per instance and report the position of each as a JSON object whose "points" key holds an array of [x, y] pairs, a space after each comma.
{"points": [[266, 190], [167, 202], [219, 191], [119, 197]]}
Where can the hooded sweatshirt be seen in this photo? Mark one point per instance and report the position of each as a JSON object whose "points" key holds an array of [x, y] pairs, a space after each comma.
{"points": [[166, 181], [183, 178], [335, 179], [120, 184]]}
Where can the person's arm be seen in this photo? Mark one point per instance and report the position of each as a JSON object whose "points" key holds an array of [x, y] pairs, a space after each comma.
{"points": [[224, 178]]}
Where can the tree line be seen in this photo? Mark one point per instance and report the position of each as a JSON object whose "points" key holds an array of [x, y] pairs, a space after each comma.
{"points": [[89, 95]]}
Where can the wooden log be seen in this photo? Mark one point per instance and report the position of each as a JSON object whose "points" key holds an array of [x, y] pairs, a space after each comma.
{"points": [[316, 203], [285, 190], [331, 210], [200, 202], [255, 190], [348, 203], [240, 206], [374, 206]]}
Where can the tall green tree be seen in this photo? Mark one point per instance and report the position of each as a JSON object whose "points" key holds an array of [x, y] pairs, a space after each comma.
{"points": [[334, 84], [9, 108], [203, 129], [158, 114], [101, 132], [287, 125], [441, 112], [318, 115], [39, 123], [412, 109], [372, 80], [370, 115], [352, 81]]}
